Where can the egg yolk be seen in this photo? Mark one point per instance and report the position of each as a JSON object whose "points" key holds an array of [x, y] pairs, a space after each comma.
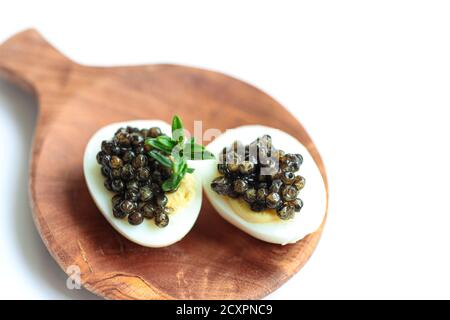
{"points": [[242, 209], [180, 198]]}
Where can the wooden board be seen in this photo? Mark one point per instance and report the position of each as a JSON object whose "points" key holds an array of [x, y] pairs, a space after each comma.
{"points": [[215, 260]]}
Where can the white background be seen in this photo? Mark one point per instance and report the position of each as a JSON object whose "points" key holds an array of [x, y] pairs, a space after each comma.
{"points": [[368, 79]]}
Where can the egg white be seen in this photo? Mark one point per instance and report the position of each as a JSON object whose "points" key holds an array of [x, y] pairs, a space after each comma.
{"points": [[313, 194], [146, 234]]}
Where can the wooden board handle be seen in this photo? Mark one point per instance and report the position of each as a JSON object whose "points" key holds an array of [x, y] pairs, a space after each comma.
{"points": [[28, 60]]}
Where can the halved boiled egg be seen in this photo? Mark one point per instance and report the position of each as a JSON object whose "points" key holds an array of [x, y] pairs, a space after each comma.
{"points": [[265, 224], [185, 203]]}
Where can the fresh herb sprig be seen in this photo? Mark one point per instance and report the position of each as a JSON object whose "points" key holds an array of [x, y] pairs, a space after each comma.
{"points": [[173, 152]]}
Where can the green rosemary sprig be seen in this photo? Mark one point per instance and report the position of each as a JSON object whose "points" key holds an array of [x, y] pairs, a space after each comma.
{"points": [[173, 152]]}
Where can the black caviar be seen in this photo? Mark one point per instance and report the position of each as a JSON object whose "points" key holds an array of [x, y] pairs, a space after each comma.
{"points": [[134, 177], [261, 175]]}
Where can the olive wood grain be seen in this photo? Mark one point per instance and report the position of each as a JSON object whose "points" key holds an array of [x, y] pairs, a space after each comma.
{"points": [[215, 260]]}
